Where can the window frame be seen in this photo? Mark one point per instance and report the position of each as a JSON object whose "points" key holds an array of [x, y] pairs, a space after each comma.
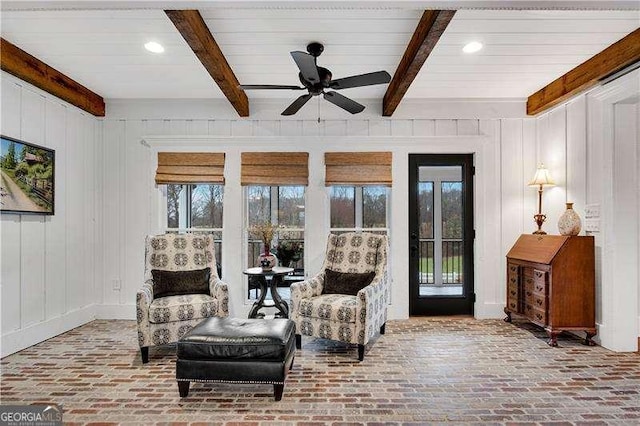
{"points": [[274, 203], [186, 212], [359, 217]]}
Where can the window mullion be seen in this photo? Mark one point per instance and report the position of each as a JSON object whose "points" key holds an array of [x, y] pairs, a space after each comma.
{"points": [[359, 221], [183, 209], [275, 200]]}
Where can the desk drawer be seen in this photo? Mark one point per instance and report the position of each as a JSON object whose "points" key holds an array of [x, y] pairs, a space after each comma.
{"points": [[540, 282]]}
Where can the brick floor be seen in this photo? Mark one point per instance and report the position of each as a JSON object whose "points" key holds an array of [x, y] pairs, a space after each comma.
{"points": [[423, 371]]}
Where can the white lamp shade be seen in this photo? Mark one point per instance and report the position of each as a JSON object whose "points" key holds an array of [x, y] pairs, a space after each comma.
{"points": [[542, 177]]}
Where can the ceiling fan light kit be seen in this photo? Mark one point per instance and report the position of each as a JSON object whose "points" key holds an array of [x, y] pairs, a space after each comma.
{"points": [[316, 79]]}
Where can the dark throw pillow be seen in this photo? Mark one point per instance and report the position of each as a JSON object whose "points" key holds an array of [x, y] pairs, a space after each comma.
{"points": [[345, 282], [174, 283]]}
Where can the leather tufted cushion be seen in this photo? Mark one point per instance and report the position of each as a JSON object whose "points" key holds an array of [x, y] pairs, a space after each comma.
{"points": [[345, 282], [174, 283], [235, 338]]}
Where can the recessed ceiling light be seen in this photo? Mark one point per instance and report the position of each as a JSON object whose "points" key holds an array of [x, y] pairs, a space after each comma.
{"points": [[472, 47], [154, 47]]}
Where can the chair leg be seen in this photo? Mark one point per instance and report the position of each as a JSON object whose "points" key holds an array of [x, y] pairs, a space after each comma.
{"points": [[144, 352], [183, 388], [383, 328], [298, 341], [277, 391], [360, 352]]}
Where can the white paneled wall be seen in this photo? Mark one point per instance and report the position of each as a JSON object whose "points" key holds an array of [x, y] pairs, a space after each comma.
{"points": [[590, 145], [133, 205], [48, 262]]}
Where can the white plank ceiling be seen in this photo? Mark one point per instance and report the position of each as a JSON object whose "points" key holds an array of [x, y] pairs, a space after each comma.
{"points": [[524, 50]]}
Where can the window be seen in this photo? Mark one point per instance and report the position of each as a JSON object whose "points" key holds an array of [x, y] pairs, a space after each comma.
{"points": [[359, 208], [283, 206], [196, 208]]}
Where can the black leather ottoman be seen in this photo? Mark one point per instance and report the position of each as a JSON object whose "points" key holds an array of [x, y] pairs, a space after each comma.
{"points": [[233, 350]]}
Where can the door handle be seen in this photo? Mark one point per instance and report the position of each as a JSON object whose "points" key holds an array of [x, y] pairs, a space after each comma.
{"points": [[414, 251]]}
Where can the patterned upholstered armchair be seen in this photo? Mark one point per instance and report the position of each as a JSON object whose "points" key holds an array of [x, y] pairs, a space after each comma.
{"points": [[163, 320], [347, 318]]}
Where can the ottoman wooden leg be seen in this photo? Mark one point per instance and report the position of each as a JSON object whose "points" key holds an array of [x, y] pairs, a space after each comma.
{"points": [[298, 341], [277, 391], [183, 388]]}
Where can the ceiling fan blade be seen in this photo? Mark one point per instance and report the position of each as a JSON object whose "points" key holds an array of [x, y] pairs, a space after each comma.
{"points": [[369, 79], [268, 86], [307, 65], [343, 102], [297, 104]]}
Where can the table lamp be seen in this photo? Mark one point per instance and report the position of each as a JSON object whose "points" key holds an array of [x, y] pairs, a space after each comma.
{"points": [[541, 179]]}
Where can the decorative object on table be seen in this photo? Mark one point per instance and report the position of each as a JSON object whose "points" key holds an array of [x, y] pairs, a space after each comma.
{"points": [[569, 222], [542, 178], [289, 251], [27, 177], [265, 231]]}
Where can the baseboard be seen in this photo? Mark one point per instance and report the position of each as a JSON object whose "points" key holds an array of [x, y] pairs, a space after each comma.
{"points": [[18, 340], [489, 311], [127, 312]]}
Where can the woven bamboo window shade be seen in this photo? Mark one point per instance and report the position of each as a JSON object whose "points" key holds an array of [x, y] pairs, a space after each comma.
{"points": [[357, 168], [275, 168], [190, 167]]}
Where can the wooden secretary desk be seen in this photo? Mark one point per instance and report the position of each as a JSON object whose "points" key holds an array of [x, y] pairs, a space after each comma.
{"points": [[551, 282]]}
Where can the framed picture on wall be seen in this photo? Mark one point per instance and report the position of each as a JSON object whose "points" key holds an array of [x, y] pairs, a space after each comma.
{"points": [[27, 177]]}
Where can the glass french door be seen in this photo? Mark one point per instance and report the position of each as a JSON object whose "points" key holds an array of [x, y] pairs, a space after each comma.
{"points": [[441, 234]]}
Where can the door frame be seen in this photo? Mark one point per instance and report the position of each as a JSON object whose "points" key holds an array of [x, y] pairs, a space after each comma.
{"points": [[443, 305]]}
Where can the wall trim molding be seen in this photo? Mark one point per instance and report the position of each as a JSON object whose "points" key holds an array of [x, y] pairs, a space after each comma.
{"points": [[113, 311], [18, 340], [338, 143], [619, 294]]}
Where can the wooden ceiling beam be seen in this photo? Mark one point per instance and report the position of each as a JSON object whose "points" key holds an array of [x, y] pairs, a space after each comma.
{"points": [[196, 33], [614, 58], [28, 68], [424, 39]]}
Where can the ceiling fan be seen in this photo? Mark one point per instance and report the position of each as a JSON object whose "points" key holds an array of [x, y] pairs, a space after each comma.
{"points": [[316, 79]]}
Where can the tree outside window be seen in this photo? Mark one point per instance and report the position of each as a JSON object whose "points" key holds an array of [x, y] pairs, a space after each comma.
{"points": [[359, 208]]}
